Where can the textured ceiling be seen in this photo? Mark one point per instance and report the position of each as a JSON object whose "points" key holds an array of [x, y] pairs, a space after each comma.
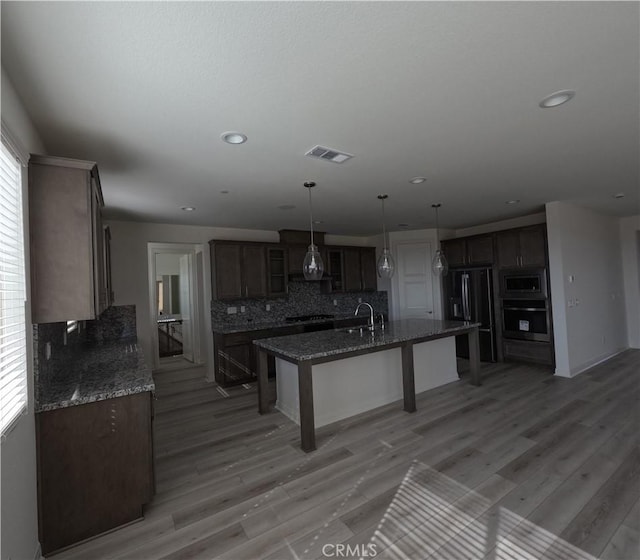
{"points": [[448, 91]]}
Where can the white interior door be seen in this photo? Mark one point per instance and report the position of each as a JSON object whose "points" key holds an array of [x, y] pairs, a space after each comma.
{"points": [[415, 281], [186, 307]]}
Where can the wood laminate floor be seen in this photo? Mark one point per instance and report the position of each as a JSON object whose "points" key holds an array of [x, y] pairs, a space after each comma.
{"points": [[527, 466]]}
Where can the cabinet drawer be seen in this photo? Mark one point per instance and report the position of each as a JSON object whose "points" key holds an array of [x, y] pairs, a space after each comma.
{"points": [[528, 351]]}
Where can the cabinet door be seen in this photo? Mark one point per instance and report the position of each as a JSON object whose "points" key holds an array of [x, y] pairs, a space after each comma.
{"points": [[277, 271], [369, 269], [95, 468], [238, 363], [61, 208], [296, 258], [455, 251], [508, 245], [533, 247], [254, 271], [335, 267], [480, 250], [226, 259], [107, 266], [97, 234], [352, 270]]}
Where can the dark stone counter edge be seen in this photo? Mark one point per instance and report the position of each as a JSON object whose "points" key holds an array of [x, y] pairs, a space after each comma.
{"points": [[258, 326], [270, 346], [96, 397]]}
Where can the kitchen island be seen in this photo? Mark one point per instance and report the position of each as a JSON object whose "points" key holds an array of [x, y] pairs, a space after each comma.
{"points": [[325, 376]]}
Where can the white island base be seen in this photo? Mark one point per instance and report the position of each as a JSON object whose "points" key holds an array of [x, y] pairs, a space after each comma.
{"points": [[347, 387]]}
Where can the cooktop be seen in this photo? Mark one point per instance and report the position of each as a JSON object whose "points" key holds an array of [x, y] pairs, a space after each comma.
{"points": [[312, 317]]}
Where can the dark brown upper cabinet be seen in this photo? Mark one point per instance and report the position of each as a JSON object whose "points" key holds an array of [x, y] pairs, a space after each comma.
{"points": [[522, 248], [369, 269], [69, 269], [469, 251], [352, 269], [296, 255], [239, 270], [277, 271]]}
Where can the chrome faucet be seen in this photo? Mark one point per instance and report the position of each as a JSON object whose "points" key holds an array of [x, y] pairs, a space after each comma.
{"points": [[371, 321]]}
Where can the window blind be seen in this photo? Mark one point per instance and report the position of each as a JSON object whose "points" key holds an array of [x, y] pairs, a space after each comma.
{"points": [[13, 355]]}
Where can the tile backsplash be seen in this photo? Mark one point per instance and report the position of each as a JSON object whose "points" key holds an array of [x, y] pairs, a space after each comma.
{"points": [[304, 298], [66, 339]]}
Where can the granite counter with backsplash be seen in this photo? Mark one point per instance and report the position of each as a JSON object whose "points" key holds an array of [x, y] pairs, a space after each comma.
{"points": [[89, 360], [304, 298]]}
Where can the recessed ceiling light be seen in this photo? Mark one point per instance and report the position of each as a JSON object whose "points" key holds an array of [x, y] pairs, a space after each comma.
{"points": [[187, 208], [286, 207], [417, 180], [224, 192], [234, 138], [515, 201], [557, 98], [618, 195], [318, 222]]}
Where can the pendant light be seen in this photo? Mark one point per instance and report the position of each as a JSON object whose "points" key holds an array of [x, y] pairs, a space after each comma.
{"points": [[312, 266], [439, 264], [386, 266]]}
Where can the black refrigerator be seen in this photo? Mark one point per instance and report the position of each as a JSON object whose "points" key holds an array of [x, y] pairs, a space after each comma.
{"points": [[470, 298]]}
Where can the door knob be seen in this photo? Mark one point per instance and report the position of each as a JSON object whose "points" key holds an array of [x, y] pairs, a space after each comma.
{"points": [[429, 312]]}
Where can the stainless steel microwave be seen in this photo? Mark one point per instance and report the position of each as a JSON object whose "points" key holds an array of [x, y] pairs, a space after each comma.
{"points": [[524, 283]]}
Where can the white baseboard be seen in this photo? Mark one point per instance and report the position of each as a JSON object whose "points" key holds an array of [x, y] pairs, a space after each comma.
{"points": [[588, 365]]}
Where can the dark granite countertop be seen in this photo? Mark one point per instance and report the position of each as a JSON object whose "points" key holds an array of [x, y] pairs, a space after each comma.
{"points": [[322, 344], [231, 328], [94, 373]]}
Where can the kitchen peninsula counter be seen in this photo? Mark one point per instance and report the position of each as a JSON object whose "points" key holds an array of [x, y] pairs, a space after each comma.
{"points": [[94, 372], [347, 371]]}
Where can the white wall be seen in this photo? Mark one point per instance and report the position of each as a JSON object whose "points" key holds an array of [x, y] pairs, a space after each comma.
{"points": [[167, 264], [630, 242], [129, 264], [521, 221], [18, 451], [589, 318]]}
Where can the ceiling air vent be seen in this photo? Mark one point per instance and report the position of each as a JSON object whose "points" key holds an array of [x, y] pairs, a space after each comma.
{"points": [[328, 154]]}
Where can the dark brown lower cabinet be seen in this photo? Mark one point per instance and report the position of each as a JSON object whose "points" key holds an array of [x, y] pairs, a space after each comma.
{"points": [[528, 351], [235, 357], [95, 468]]}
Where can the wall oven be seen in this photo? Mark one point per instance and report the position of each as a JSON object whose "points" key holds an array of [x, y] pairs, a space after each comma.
{"points": [[526, 319], [530, 283]]}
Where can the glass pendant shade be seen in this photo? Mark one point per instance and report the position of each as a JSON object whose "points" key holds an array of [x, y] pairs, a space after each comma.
{"points": [[439, 264], [386, 266], [312, 267]]}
